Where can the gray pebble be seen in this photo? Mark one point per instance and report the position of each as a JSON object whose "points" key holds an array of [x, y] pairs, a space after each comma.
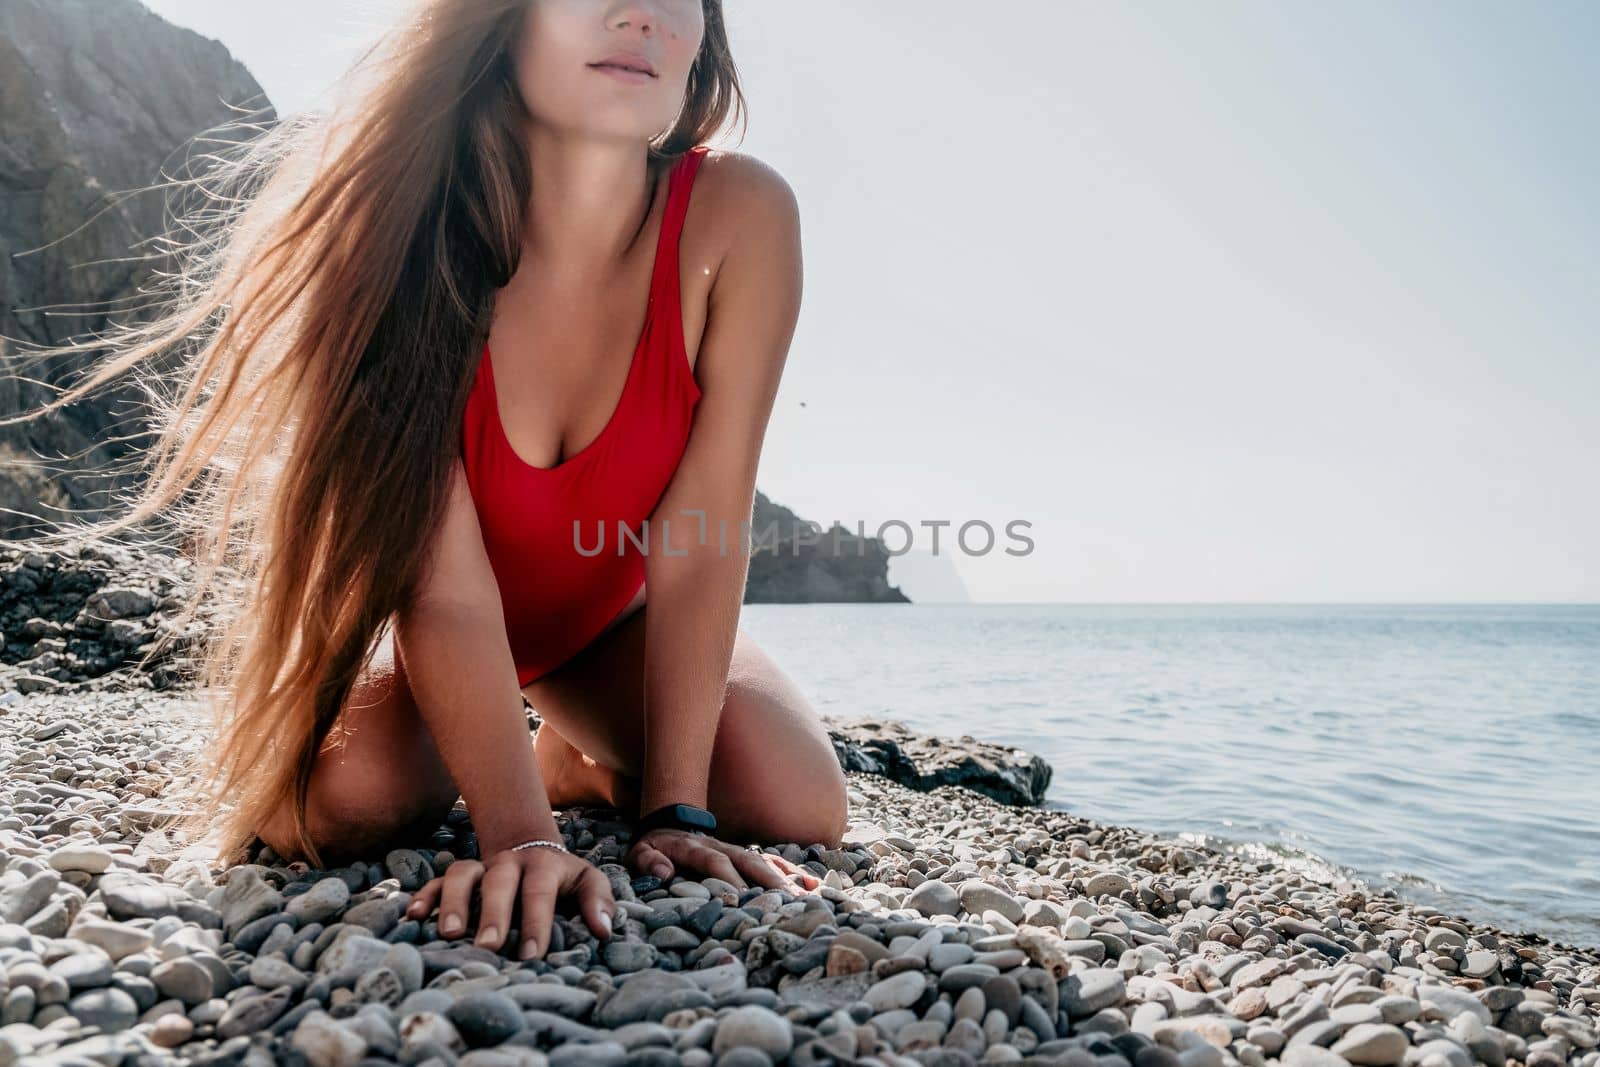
{"points": [[934, 897], [184, 978], [897, 991], [596, 1054], [83, 970], [978, 897], [251, 1014], [1372, 1043], [754, 1027], [320, 903], [1085, 992], [486, 1018], [110, 1009], [624, 957]]}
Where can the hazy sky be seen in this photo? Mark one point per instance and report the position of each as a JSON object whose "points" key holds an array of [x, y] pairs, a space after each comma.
{"points": [[1232, 301]]}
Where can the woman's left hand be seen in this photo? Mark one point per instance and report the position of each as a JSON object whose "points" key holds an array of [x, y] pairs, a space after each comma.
{"points": [[664, 852]]}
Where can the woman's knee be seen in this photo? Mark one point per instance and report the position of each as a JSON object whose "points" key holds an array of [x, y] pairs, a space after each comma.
{"points": [[776, 778], [378, 783], [351, 818], [816, 813], [818, 817]]}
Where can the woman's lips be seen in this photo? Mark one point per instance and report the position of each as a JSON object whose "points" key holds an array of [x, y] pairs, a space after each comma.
{"points": [[636, 77]]}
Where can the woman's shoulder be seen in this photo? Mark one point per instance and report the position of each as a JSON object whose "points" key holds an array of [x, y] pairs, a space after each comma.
{"points": [[739, 198], [739, 183], [741, 210]]}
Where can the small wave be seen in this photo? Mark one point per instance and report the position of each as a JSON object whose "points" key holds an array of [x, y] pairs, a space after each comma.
{"points": [[1293, 857]]}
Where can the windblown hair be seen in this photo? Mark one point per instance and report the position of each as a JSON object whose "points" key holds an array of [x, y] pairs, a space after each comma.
{"points": [[328, 303]]}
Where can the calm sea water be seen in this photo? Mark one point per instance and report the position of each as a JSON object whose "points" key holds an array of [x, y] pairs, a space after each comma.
{"points": [[1451, 752]]}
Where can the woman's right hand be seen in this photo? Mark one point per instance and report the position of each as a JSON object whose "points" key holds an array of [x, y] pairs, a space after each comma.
{"points": [[534, 878]]}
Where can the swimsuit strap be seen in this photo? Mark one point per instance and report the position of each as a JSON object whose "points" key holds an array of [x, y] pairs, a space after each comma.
{"points": [[679, 183]]}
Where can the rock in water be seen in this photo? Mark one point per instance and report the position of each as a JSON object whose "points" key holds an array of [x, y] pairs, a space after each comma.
{"points": [[923, 761]]}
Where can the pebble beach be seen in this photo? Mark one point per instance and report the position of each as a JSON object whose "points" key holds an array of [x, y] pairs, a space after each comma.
{"points": [[950, 928]]}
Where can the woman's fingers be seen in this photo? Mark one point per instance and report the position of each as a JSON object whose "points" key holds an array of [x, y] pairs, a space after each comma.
{"points": [[781, 863], [456, 902], [648, 859], [806, 878], [497, 895], [714, 860], [423, 900], [535, 888], [757, 866], [595, 901], [737, 866], [538, 914]]}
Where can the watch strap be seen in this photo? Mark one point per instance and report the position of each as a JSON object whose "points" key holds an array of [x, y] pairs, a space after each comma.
{"points": [[678, 817]]}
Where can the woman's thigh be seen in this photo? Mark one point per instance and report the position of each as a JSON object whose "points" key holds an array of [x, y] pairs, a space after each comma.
{"points": [[773, 771]]}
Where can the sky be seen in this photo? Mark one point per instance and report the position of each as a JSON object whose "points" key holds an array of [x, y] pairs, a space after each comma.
{"points": [[1233, 302]]}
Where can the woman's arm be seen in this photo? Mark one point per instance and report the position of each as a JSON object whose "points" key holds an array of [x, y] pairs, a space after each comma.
{"points": [[452, 638], [696, 589]]}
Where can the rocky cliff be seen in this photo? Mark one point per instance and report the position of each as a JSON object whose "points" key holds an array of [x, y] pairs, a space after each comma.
{"points": [[805, 568], [98, 98]]}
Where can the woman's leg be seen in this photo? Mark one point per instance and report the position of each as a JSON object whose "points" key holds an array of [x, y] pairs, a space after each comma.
{"points": [[774, 775], [385, 784]]}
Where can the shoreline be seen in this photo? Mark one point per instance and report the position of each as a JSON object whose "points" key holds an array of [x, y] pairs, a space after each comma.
{"points": [[1019, 777], [951, 929]]}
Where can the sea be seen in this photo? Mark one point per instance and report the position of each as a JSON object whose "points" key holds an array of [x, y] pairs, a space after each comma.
{"points": [[1449, 752]]}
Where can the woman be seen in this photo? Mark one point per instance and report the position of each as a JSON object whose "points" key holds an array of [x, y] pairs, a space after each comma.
{"points": [[505, 304]]}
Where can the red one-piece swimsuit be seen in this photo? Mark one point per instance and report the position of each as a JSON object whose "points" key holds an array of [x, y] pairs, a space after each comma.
{"points": [[557, 592]]}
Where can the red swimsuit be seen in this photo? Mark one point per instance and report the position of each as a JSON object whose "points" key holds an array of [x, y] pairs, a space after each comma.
{"points": [[558, 593]]}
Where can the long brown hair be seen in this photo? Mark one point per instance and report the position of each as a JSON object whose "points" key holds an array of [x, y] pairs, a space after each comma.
{"points": [[330, 297]]}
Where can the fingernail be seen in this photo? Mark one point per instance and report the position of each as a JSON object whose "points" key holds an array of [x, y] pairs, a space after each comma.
{"points": [[605, 924], [487, 934], [530, 949], [450, 924]]}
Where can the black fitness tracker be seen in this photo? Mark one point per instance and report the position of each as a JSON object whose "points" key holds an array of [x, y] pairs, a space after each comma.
{"points": [[678, 817]]}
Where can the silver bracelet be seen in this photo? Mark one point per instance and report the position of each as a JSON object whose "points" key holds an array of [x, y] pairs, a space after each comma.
{"points": [[539, 842]]}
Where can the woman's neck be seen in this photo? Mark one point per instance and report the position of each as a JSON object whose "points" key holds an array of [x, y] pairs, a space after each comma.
{"points": [[589, 207]]}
